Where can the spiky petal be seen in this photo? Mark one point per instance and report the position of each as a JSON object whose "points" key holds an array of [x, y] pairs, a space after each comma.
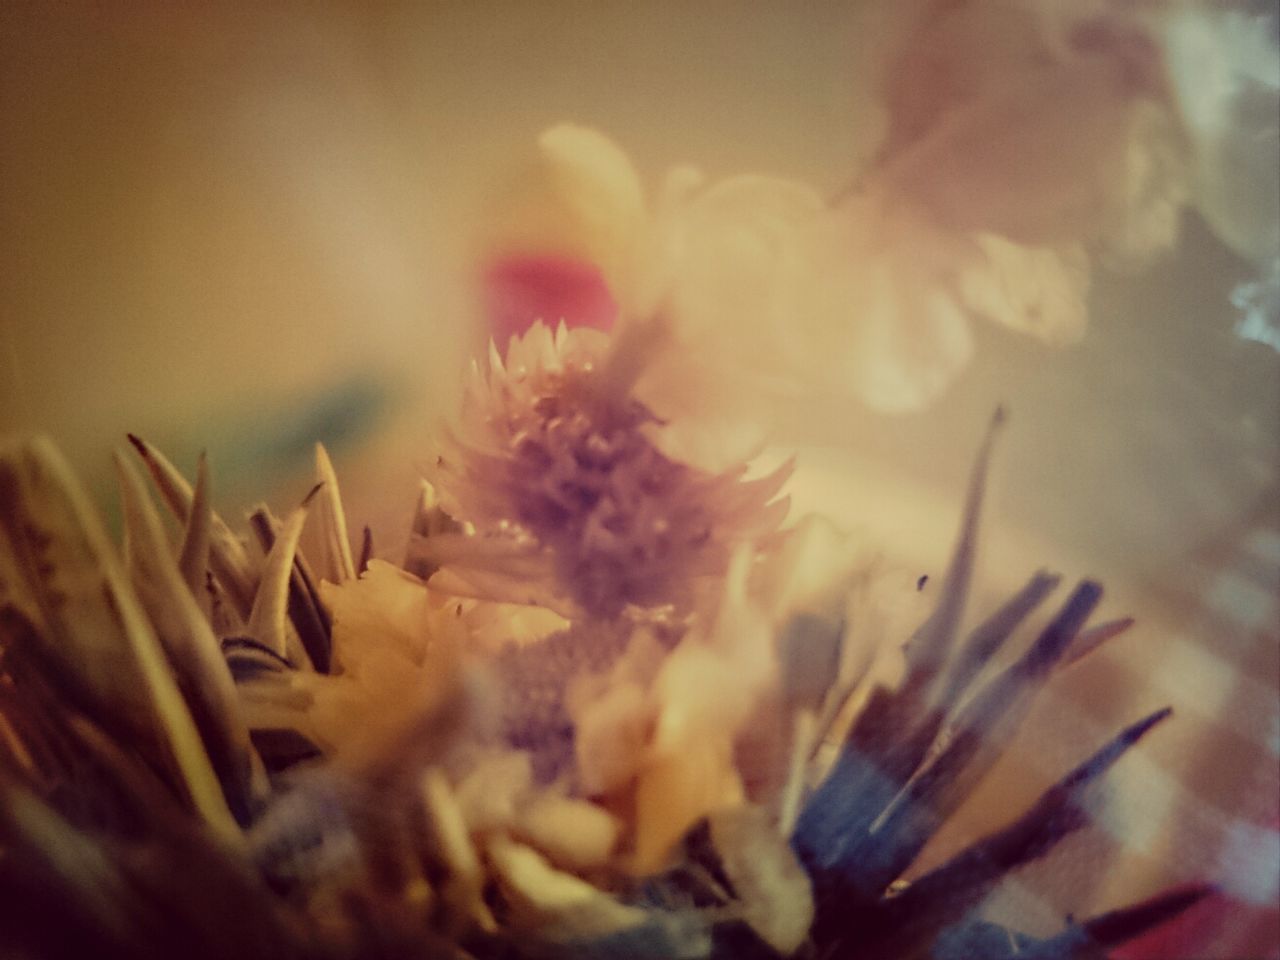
{"points": [[557, 463]]}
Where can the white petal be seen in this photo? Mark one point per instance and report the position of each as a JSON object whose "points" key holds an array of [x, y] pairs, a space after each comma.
{"points": [[745, 246], [782, 308], [1035, 290], [578, 197], [1153, 187], [913, 341], [811, 569]]}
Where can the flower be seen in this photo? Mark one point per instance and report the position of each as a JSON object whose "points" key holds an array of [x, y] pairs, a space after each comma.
{"points": [[519, 291], [427, 828], [759, 303], [1224, 74], [766, 303], [575, 507], [1023, 143]]}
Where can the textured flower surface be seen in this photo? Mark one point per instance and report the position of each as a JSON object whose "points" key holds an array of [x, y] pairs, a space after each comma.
{"points": [[370, 767], [554, 464]]}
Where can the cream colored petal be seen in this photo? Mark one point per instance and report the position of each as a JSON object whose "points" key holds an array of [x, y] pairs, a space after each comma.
{"points": [[783, 309], [816, 561], [1153, 188], [706, 692], [493, 625], [737, 262], [744, 246], [1041, 291], [613, 716], [385, 609], [337, 562], [576, 834], [228, 558], [675, 790], [193, 559], [269, 621], [193, 651], [610, 737], [912, 340], [660, 249], [770, 885], [558, 904], [65, 582], [942, 55], [494, 791], [463, 885], [581, 197]]}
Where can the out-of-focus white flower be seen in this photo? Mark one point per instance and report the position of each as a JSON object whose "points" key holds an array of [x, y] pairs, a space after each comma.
{"points": [[1092, 123], [1022, 141], [758, 297], [780, 306], [759, 302]]}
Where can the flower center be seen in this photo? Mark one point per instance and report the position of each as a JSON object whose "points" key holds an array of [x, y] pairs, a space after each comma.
{"points": [[623, 521]]}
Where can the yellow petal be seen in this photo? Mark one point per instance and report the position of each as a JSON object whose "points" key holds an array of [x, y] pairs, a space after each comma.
{"points": [[386, 608], [676, 790], [573, 833], [610, 737]]}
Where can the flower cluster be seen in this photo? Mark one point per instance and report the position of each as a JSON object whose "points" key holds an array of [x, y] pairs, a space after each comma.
{"points": [[373, 764], [1023, 144], [554, 465]]}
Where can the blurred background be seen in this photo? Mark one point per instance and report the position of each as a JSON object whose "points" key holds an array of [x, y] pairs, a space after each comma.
{"points": [[247, 228]]}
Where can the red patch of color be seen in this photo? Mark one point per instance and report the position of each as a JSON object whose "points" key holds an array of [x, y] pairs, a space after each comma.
{"points": [[1213, 929], [520, 290], [1219, 927]]}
